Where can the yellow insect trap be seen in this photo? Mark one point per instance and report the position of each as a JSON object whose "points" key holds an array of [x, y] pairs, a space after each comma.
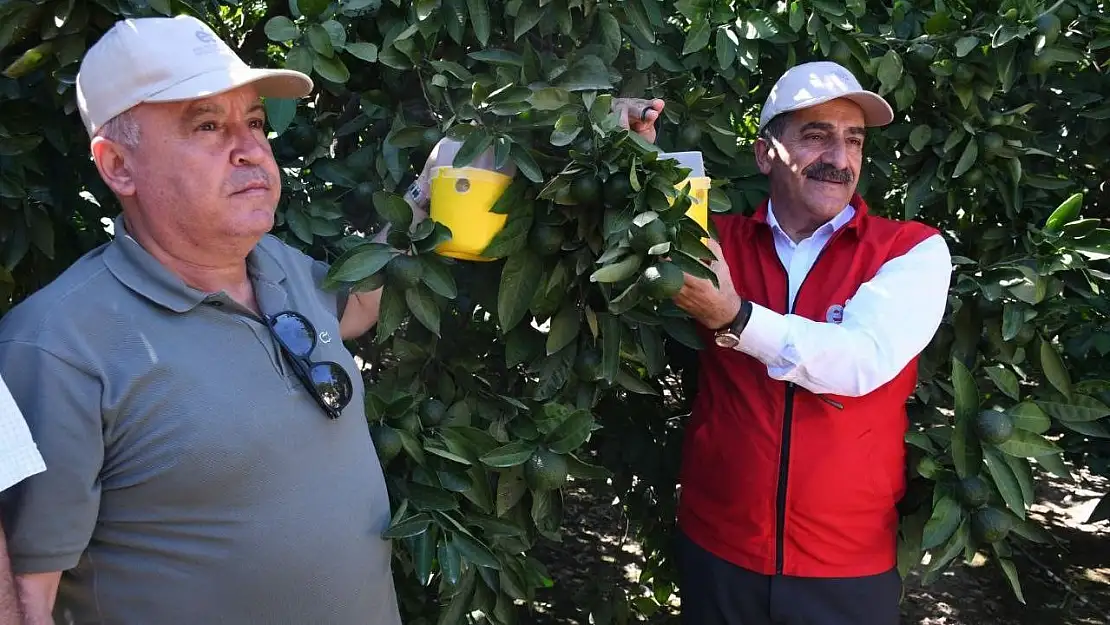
{"points": [[461, 199]]}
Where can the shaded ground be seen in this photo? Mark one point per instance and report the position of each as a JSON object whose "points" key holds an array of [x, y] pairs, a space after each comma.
{"points": [[1064, 584]]}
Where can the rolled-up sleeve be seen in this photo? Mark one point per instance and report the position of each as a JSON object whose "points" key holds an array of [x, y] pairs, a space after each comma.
{"points": [[49, 517]]}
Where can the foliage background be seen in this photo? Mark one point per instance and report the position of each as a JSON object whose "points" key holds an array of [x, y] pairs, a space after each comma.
{"points": [[483, 371]]}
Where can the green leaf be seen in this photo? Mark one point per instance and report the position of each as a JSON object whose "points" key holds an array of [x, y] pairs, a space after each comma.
{"points": [[567, 128], [412, 526], [424, 307], [572, 433], [1093, 429], [956, 544], [1005, 480], [498, 57], [1081, 408], [946, 517], [425, 497], [450, 562], [299, 59], [281, 28], [693, 266], [363, 50], [1065, 213], [332, 69], [479, 19], [320, 41], [336, 33], [1024, 474], [588, 74], [920, 136], [361, 262], [526, 18], [964, 45], [549, 98], [513, 237], [1005, 380], [1005, 34], [509, 455], [280, 113], [1010, 570], [634, 384], [439, 279], [725, 46], [1028, 416], [889, 72], [564, 327], [1053, 367], [697, 37], [393, 209], [967, 159], [683, 331], [474, 551], [757, 24], [391, 312], [519, 280], [511, 488], [526, 164], [1054, 463], [611, 36], [474, 145], [620, 270]]}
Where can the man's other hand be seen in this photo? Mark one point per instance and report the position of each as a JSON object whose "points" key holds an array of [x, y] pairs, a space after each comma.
{"points": [[639, 115]]}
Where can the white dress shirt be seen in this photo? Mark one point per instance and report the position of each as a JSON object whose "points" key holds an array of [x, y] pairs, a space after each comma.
{"points": [[19, 456], [888, 321]]}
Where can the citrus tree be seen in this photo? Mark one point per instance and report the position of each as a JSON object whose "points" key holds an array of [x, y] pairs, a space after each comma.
{"points": [[560, 357]]}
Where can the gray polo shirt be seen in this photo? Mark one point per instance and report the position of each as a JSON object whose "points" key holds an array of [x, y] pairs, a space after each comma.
{"points": [[191, 477]]}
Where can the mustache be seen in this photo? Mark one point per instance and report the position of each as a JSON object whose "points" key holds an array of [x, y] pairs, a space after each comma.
{"points": [[827, 173], [243, 179]]}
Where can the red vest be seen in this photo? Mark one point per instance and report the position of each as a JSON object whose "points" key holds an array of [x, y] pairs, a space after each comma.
{"points": [[779, 480]]}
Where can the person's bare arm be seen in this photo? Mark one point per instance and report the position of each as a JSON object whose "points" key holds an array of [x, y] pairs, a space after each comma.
{"points": [[361, 312], [9, 605], [37, 592]]}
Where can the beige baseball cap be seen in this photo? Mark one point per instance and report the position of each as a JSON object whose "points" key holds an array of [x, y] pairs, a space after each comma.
{"points": [[162, 59], [810, 84]]}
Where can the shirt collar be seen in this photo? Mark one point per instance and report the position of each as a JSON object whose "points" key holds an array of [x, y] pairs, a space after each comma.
{"points": [[141, 272], [829, 227]]}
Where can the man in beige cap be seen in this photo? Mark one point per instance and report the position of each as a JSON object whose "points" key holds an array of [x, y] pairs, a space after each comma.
{"points": [[794, 459], [187, 383]]}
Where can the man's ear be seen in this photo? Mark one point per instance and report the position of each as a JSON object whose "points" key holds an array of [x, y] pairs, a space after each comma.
{"points": [[765, 155], [114, 162]]}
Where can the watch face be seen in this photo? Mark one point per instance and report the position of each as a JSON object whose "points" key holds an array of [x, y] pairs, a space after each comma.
{"points": [[726, 340]]}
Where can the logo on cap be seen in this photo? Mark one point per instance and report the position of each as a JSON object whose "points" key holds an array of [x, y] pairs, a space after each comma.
{"points": [[205, 36]]}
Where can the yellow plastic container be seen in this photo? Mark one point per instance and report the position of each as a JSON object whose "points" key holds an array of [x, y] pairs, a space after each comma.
{"points": [[461, 199], [699, 196]]}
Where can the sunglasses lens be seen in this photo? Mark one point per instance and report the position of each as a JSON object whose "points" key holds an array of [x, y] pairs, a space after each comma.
{"points": [[295, 332], [333, 384]]}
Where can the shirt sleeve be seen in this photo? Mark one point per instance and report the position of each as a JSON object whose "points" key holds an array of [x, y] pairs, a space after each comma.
{"points": [[19, 456], [888, 321], [50, 517]]}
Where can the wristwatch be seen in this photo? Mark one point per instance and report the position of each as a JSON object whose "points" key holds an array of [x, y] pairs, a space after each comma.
{"points": [[729, 336]]}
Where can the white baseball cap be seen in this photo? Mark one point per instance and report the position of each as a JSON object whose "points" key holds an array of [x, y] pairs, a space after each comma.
{"points": [[810, 84], [162, 59]]}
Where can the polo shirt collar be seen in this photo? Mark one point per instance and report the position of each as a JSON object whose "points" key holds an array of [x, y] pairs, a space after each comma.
{"points": [[139, 271]]}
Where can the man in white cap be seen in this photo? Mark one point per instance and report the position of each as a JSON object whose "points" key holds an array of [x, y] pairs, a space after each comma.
{"points": [[187, 383], [794, 460]]}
